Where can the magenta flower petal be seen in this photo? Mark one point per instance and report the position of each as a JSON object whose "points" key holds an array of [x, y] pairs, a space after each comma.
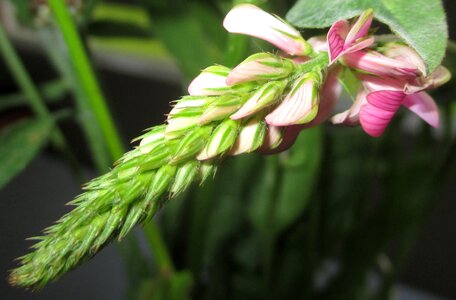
{"points": [[386, 100], [362, 44], [380, 65], [424, 106], [336, 39], [375, 115], [251, 20], [374, 83]]}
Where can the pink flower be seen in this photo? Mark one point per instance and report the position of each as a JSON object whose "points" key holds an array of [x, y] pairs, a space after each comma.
{"points": [[378, 64], [250, 20], [381, 98], [343, 39]]}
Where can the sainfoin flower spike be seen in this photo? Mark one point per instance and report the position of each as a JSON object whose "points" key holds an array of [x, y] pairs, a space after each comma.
{"points": [[260, 105]]}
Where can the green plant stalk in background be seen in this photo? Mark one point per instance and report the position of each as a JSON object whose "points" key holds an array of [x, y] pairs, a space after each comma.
{"points": [[87, 77]]}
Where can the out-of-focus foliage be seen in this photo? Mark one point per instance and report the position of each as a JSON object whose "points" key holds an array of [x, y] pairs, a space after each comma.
{"points": [[19, 144]]}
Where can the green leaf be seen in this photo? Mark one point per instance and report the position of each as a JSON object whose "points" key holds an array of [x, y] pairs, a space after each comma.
{"points": [[421, 23], [19, 144]]}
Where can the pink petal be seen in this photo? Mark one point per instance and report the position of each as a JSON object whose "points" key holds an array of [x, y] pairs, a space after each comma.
{"points": [[374, 83], [386, 100], [251, 20], [360, 28], [336, 39], [405, 53], [424, 106], [318, 43], [360, 45], [375, 115], [380, 65], [440, 76]]}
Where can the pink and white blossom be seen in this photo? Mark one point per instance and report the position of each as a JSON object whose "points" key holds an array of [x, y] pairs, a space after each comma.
{"points": [[299, 106], [251, 20]]}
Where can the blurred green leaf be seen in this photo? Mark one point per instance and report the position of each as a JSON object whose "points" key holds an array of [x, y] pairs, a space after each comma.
{"points": [[421, 23], [176, 287], [194, 38], [350, 83], [301, 171], [19, 144]]}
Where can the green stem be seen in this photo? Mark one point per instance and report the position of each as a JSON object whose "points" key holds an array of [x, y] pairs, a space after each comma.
{"points": [[157, 245], [87, 77], [33, 97]]}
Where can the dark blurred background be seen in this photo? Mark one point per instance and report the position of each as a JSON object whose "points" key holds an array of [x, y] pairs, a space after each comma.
{"points": [[139, 97]]}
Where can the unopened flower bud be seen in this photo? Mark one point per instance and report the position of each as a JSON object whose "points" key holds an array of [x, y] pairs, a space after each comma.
{"points": [[265, 96], [211, 81], [260, 66], [250, 137], [273, 138], [300, 105], [189, 102], [184, 177], [179, 126], [221, 140], [221, 108], [191, 144]]}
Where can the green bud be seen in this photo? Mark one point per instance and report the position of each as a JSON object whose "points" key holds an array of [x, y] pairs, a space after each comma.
{"points": [[261, 66], [221, 108], [251, 136], [191, 144], [184, 177], [265, 96], [221, 140]]}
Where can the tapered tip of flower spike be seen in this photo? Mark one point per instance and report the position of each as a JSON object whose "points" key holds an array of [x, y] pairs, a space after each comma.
{"points": [[251, 20]]}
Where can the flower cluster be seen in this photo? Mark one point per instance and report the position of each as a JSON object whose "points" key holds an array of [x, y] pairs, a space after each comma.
{"points": [[299, 87], [260, 105]]}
